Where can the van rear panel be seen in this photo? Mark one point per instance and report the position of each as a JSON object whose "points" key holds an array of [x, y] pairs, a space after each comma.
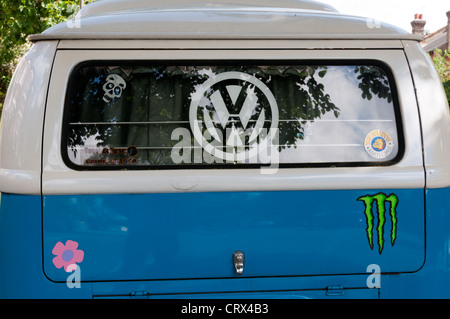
{"points": [[188, 236], [302, 158], [142, 205]]}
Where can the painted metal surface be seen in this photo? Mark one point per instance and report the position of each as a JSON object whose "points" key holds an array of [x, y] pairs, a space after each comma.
{"points": [[22, 274], [313, 238], [178, 20], [173, 236], [114, 6], [434, 112], [57, 178], [23, 121]]}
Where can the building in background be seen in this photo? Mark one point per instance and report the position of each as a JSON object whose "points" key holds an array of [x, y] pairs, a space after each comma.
{"points": [[439, 39]]}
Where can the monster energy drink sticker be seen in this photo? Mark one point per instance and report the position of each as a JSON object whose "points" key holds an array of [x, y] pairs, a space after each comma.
{"points": [[380, 207]]}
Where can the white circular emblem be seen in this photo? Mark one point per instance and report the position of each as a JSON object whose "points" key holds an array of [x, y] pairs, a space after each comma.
{"points": [[233, 116], [378, 144]]}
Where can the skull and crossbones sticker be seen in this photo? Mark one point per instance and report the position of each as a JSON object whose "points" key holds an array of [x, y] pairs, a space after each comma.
{"points": [[113, 87]]}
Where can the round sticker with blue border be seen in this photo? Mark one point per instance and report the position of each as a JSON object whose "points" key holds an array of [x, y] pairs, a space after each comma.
{"points": [[378, 144]]}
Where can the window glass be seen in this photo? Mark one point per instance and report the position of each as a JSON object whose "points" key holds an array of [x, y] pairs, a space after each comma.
{"points": [[148, 116]]}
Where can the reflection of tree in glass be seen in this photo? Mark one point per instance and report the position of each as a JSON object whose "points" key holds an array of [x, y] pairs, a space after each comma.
{"points": [[300, 98], [373, 81], [161, 95]]}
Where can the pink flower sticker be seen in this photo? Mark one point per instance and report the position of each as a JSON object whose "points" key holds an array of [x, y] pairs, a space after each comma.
{"points": [[67, 254]]}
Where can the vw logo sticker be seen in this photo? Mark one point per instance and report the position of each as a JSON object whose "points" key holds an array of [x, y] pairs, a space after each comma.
{"points": [[240, 105]]}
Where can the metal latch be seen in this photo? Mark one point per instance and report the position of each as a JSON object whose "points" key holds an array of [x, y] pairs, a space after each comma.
{"points": [[238, 261], [335, 291]]}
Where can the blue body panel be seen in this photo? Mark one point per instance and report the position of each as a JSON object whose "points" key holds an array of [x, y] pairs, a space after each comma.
{"points": [[296, 243], [193, 235]]}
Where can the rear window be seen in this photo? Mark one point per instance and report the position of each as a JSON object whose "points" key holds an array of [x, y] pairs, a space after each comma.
{"points": [[125, 115]]}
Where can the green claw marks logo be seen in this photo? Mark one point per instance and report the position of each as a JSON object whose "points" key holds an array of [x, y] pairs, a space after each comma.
{"points": [[381, 200]]}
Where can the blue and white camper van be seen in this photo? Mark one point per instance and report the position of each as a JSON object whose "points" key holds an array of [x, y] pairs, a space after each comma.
{"points": [[253, 149]]}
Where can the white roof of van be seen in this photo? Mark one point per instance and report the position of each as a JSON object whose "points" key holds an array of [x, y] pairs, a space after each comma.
{"points": [[214, 19]]}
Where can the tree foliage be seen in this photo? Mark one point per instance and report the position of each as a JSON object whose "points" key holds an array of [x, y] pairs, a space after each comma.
{"points": [[441, 60], [19, 19]]}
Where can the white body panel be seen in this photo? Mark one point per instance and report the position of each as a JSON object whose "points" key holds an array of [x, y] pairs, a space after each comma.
{"points": [[224, 23], [101, 7], [58, 179], [252, 19], [435, 117], [30, 155], [23, 122]]}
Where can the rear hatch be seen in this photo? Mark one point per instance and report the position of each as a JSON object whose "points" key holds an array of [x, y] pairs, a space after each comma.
{"points": [[130, 128], [173, 236]]}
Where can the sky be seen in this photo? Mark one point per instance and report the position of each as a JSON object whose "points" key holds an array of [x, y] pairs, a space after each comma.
{"points": [[397, 12]]}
